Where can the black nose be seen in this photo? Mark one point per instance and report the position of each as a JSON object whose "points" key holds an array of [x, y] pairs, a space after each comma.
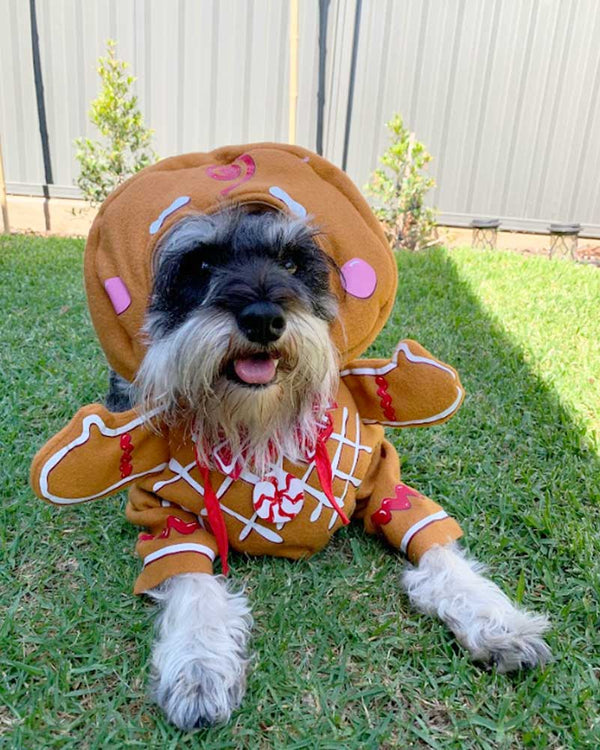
{"points": [[262, 322]]}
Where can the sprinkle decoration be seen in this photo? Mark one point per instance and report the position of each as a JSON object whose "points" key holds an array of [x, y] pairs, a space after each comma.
{"points": [[118, 294], [296, 208], [177, 204]]}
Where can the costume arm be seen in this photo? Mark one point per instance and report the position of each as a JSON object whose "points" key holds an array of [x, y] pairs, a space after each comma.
{"points": [[96, 454], [176, 540], [408, 520], [412, 389]]}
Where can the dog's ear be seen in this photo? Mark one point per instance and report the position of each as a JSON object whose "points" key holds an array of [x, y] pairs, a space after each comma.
{"points": [[121, 393]]}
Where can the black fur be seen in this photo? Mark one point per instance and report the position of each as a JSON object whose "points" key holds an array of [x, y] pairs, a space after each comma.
{"points": [[120, 395], [235, 259]]}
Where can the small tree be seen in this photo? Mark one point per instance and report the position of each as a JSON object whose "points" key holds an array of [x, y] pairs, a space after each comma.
{"points": [[125, 146], [399, 188]]}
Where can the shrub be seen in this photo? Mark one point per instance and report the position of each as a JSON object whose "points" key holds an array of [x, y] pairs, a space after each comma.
{"points": [[125, 146], [399, 188]]}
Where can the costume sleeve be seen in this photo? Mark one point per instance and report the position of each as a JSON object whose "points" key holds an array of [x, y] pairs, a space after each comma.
{"points": [[96, 454], [412, 389], [409, 521], [176, 540]]}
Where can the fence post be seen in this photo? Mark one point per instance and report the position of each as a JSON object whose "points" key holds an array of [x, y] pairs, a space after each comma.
{"points": [[350, 102], [3, 204], [323, 16], [41, 108]]}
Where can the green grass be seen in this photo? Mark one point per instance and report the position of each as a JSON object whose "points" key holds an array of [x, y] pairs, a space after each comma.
{"points": [[341, 661]]}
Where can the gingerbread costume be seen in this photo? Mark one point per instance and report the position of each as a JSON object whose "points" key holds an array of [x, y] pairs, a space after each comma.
{"points": [[191, 513]]}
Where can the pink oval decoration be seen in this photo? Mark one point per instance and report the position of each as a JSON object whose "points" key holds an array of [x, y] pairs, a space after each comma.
{"points": [[359, 278], [118, 293]]}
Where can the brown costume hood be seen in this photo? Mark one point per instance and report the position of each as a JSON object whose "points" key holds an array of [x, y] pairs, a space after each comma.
{"points": [[130, 223]]}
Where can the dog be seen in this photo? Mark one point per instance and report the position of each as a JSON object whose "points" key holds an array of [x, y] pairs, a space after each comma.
{"points": [[231, 292], [239, 350]]}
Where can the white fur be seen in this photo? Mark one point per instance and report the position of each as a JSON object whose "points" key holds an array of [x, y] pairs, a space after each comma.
{"points": [[183, 376], [199, 658], [479, 614]]}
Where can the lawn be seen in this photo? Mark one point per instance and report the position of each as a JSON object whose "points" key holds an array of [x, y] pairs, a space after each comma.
{"points": [[340, 660]]}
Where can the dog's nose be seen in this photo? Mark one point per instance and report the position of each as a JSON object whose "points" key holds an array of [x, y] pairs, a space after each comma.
{"points": [[262, 322]]}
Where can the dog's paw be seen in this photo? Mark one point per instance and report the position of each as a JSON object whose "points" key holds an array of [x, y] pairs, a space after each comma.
{"points": [[199, 659], [194, 695], [510, 639], [480, 615]]}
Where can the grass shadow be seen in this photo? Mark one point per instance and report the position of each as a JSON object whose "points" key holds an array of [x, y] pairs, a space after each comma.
{"points": [[515, 463], [515, 466]]}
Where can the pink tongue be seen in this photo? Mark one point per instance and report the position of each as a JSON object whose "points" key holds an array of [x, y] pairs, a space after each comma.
{"points": [[255, 370]]}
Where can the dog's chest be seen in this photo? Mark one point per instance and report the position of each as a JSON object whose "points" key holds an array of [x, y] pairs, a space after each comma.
{"points": [[284, 513]]}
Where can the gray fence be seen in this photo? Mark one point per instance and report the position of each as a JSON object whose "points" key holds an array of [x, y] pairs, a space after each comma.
{"points": [[503, 92]]}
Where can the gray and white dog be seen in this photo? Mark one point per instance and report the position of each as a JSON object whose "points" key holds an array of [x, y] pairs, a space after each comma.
{"points": [[239, 296]]}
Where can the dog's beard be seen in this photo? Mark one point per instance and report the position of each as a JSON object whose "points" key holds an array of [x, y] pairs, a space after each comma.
{"points": [[184, 376]]}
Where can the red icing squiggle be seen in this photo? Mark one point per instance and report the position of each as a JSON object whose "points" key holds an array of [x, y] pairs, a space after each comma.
{"points": [[400, 501], [385, 399], [173, 522], [127, 447], [233, 171]]}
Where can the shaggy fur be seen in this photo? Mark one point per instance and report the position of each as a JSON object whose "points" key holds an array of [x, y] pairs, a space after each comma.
{"points": [[210, 270], [482, 618], [183, 375], [200, 656]]}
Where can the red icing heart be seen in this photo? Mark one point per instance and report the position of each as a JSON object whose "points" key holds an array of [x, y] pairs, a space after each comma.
{"points": [[399, 502]]}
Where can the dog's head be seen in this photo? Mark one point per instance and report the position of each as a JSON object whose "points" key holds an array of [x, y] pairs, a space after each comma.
{"points": [[239, 350]]}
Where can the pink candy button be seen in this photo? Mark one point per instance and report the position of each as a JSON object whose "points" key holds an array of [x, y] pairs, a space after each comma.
{"points": [[118, 293], [359, 278]]}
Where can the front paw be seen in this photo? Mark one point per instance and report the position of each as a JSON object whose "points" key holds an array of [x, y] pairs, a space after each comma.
{"points": [[199, 659], [480, 615], [504, 637], [198, 690]]}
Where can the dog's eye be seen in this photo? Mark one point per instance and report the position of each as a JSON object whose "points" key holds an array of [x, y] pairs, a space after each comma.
{"points": [[205, 267], [290, 266]]}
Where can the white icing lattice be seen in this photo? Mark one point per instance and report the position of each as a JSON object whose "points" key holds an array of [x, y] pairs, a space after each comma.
{"points": [[253, 522]]}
